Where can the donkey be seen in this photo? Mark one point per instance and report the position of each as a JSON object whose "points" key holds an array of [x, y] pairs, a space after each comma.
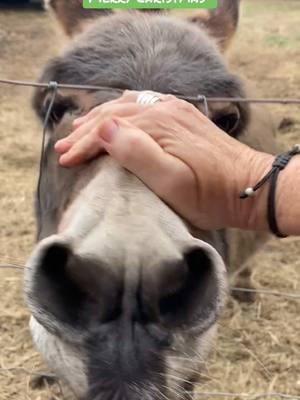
{"points": [[124, 294]]}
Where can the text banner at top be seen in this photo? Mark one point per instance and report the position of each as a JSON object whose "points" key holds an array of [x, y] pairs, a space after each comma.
{"points": [[148, 4]]}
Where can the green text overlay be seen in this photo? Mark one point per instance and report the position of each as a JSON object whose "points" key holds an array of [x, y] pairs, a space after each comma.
{"points": [[210, 4]]}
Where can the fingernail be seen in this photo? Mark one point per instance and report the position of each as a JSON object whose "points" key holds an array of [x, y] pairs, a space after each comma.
{"points": [[109, 130], [57, 146], [61, 146], [78, 121], [63, 160]]}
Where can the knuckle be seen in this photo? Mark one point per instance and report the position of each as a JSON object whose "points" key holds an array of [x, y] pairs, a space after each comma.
{"points": [[96, 110], [125, 94], [123, 155], [173, 106], [134, 141], [168, 97], [130, 149], [128, 95], [184, 106], [95, 114], [104, 113], [164, 107]]}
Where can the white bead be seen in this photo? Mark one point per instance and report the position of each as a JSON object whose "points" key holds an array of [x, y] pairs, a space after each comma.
{"points": [[249, 192], [296, 147]]}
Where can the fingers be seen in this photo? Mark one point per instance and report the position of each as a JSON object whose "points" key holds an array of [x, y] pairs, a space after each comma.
{"points": [[86, 148], [65, 144], [93, 121], [83, 143], [126, 97], [102, 138], [77, 147]]}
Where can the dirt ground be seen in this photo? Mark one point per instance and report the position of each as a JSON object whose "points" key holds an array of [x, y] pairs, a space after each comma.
{"points": [[258, 348]]}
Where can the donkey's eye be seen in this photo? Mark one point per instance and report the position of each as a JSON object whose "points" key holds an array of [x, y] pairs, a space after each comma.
{"points": [[61, 106], [229, 123]]}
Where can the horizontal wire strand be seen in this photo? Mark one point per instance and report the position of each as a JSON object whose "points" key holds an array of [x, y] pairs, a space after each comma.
{"points": [[59, 85], [199, 98], [252, 396], [270, 292], [26, 371]]}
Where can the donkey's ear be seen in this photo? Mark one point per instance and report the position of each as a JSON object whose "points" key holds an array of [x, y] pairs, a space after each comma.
{"points": [[71, 15], [220, 23]]}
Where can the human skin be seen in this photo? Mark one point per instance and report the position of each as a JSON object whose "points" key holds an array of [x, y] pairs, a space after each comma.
{"points": [[195, 167]]}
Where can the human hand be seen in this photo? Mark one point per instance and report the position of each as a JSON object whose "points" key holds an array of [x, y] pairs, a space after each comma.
{"points": [[179, 153]]}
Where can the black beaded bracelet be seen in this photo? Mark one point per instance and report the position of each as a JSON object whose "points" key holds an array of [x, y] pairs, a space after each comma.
{"points": [[280, 162]]}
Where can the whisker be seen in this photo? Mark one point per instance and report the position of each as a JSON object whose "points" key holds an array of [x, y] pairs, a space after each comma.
{"points": [[178, 393], [181, 358], [12, 260], [175, 358], [12, 266], [198, 373], [166, 376], [152, 391], [189, 357], [183, 392], [176, 378], [161, 393]]}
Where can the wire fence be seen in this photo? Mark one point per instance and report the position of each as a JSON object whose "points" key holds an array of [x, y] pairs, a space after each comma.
{"points": [[54, 86], [254, 396], [195, 99]]}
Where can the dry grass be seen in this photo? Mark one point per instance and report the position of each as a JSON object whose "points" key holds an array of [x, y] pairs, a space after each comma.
{"points": [[259, 345]]}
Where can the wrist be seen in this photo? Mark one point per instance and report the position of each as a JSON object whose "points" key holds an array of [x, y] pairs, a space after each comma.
{"points": [[251, 213]]}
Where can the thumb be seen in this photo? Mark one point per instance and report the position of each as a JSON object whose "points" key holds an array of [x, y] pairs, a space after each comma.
{"points": [[136, 151]]}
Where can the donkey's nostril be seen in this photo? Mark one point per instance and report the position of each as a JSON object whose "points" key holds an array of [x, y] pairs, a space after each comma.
{"points": [[55, 259], [77, 289], [52, 288], [198, 298]]}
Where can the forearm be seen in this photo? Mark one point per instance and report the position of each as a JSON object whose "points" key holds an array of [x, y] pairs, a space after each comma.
{"points": [[288, 198]]}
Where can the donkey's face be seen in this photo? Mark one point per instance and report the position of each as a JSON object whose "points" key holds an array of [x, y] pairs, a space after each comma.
{"points": [[124, 299]]}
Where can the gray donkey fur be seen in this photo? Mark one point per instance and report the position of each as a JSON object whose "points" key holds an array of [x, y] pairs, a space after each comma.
{"points": [[124, 294]]}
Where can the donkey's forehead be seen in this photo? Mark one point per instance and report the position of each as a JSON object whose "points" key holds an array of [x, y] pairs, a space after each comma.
{"points": [[150, 29], [143, 52]]}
